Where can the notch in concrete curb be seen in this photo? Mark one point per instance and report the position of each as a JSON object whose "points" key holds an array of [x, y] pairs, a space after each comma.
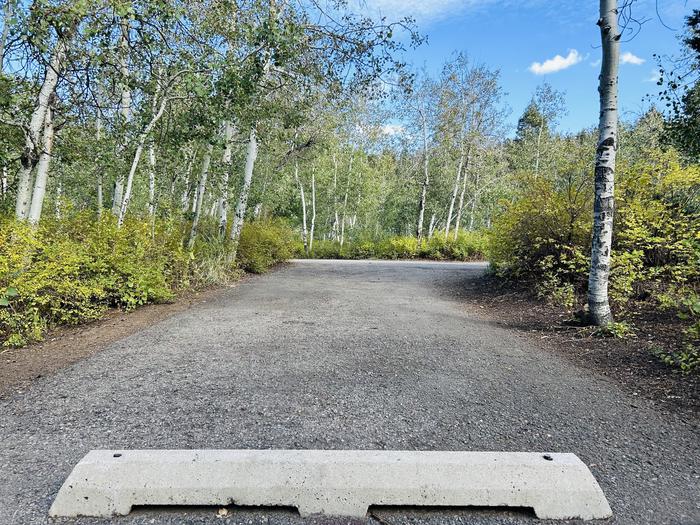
{"points": [[106, 483]]}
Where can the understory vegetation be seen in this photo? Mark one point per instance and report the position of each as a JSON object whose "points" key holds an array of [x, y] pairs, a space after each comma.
{"points": [[70, 271], [147, 148]]}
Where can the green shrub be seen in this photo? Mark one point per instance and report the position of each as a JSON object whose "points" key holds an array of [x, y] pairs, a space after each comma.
{"points": [[70, 271], [264, 244]]}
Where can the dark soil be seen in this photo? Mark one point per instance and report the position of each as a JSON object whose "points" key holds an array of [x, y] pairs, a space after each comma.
{"points": [[628, 360], [66, 345]]}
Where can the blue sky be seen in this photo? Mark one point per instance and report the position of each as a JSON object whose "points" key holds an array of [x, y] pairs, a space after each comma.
{"points": [[523, 38]]}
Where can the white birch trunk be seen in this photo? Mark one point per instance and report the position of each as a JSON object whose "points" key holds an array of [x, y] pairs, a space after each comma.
{"points": [[3, 180], [604, 204], [124, 110], [223, 201], [100, 185], [30, 154], [458, 178], [304, 230], [465, 177], [313, 210], [137, 157], [201, 188], [431, 228], [426, 180], [7, 15], [345, 205], [335, 227], [42, 170], [239, 216], [151, 180]]}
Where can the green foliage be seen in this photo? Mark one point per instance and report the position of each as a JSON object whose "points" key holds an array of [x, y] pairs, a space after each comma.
{"points": [[264, 244], [618, 330], [468, 246], [70, 271]]}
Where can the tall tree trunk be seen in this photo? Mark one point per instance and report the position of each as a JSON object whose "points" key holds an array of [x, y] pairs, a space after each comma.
{"points": [[239, 216], [125, 112], [151, 180], [3, 181], [137, 157], [100, 184], [604, 204], [537, 153], [336, 221], [426, 180], [304, 230], [7, 13], [201, 188], [345, 204], [455, 190], [223, 201], [431, 228], [313, 210], [42, 170], [460, 207], [30, 155]]}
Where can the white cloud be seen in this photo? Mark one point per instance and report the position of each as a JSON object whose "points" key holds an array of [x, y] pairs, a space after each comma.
{"points": [[596, 63], [558, 63], [653, 77], [630, 58]]}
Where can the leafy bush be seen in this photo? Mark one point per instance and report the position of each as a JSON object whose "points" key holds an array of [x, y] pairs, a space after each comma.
{"points": [[468, 246], [544, 238], [264, 244], [70, 271]]}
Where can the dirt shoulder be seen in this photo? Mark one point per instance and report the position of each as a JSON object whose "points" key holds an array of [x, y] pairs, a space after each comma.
{"points": [[65, 345], [628, 361]]}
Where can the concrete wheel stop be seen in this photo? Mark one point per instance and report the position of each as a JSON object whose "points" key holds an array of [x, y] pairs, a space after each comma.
{"points": [[107, 483]]}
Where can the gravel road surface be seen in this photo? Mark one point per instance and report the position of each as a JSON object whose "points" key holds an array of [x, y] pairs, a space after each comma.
{"points": [[328, 354]]}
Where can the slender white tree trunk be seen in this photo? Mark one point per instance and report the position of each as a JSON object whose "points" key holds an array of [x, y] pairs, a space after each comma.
{"points": [[431, 228], [336, 221], [313, 210], [604, 204], [201, 188], [42, 170], [125, 110], [460, 207], [239, 216], [345, 205], [426, 179], [3, 180], [223, 201], [137, 157], [30, 154], [151, 180], [304, 230], [7, 13], [539, 141], [455, 190], [100, 185]]}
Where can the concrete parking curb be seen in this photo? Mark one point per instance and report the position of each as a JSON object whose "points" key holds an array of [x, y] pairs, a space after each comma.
{"points": [[332, 482]]}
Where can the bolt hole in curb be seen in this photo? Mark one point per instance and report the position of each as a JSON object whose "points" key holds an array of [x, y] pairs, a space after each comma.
{"points": [[331, 482]]}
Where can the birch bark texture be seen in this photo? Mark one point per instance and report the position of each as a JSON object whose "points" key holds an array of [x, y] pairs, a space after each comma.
{"points": [[199, 196], [42, 170], [604, 204], [33, 139], [226, 160], [239, 216]]}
